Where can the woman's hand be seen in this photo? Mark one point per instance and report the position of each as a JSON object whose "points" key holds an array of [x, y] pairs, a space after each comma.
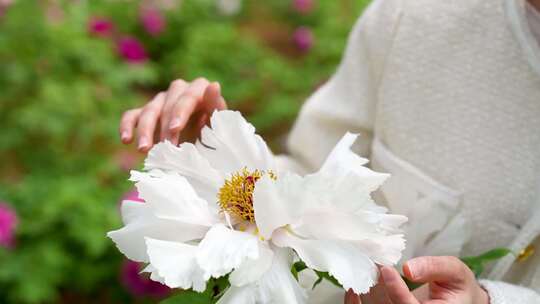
{"points": [[177, 115], [449, 281]]}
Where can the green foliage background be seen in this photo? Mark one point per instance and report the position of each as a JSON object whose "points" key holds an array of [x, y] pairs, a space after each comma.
{"points": [[62, 92]]}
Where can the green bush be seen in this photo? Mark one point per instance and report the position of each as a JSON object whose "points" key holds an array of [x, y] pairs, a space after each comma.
{"points": [[62, 92]]}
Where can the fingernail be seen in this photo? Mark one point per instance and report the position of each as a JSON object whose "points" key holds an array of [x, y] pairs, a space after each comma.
{"points": [[143, 143], [411, 268], [124, 136], [175, 123]]}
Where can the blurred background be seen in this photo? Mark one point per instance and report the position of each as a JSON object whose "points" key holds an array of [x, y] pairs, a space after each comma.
{"points": [[68, 69]]}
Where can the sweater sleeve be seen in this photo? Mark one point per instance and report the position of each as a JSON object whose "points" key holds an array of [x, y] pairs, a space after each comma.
{"points": [[504, 293], [347, 101]]}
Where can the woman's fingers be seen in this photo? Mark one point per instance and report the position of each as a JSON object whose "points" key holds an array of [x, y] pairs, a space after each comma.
{"points": [[183, 102], [127, 125], [148, 121], [445, 269], [176, 89], [184, 108], [212, 99], [396, 289], [351, 298]]}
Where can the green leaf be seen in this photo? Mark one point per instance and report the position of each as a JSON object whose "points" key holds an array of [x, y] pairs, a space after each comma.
{"points": [[477, 263], [189, 297], [297, 268], [328, 277]]}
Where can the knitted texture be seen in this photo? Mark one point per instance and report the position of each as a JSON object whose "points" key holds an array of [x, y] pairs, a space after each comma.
{"points": [[447, 88]]}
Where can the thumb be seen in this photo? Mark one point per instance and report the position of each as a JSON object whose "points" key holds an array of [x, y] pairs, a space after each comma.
{"points": [[445, 269]]}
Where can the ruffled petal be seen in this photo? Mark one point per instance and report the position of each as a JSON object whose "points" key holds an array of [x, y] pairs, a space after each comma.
{"points": [[377, 234], [187, 161], [231, 144], [176, 264], [277, 202], [140, 223], [277, 285], [154, 275], [346, 262], [170, 196], [334, 224], [239, 295], [345, 172], [252, 270], [223, 250]]}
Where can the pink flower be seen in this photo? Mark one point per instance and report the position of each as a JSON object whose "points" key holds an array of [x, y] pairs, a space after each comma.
{"points": [[8, 223], [132, 195], [303, 6], [153, 21], [132, 50], [140, 285], [4, 5], [101, 27], [303, 38], [126, 159]]}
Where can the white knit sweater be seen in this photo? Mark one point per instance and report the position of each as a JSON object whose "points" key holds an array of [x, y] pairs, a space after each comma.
{"points": [[446, 96]]}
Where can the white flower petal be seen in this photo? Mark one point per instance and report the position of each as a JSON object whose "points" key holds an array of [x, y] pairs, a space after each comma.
{"points": [[378, 235], [346, 262], [140, 223], [187, 161], [223, 250], [176, 264], [171, 197], [132, 210], [252, 270], [325, 292], [346, 169], [277, 202], [384, 250], [333, 224], [231, 144], [154, 275], [239, 295], [277, 285]]}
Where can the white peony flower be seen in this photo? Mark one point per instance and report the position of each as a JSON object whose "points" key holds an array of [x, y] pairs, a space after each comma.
{"points": [[221, 207]]}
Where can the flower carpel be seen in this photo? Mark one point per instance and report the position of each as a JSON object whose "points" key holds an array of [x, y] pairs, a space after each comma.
{"points": [[236, 195]]}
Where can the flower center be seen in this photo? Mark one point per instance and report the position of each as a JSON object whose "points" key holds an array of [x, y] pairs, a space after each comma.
{"points": [[236, 195]]}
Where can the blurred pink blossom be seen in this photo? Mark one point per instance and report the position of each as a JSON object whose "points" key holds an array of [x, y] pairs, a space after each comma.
{"points": [[153, 21], [303, 6], [126, 159], [132, 50], [100, 26], [8, 223], [4, 5], [132, 195], [303, 38], [138, 284]]}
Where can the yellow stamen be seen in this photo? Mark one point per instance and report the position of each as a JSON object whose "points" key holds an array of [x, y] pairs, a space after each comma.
{"points": [[236, 195]]}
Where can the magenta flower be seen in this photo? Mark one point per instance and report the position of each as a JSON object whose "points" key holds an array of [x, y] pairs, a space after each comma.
{"points": [[303, 6], [140, 285], [132, 50], [303, 38], [132, 195], [153, 21], [8, 223], [100, 26]]}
